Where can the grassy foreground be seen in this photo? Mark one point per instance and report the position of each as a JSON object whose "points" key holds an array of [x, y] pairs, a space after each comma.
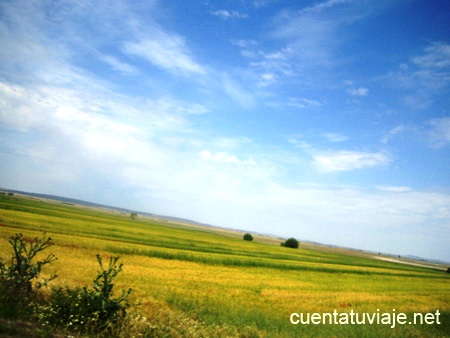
{"points": [[196, 282]]}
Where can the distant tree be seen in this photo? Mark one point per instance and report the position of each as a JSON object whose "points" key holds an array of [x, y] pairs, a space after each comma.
{"points": [[291, 243], [248, 237], [448, 270], [133, 215]]}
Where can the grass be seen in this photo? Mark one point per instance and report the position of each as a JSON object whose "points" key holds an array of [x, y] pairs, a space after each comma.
{"points": [[192, 281]]}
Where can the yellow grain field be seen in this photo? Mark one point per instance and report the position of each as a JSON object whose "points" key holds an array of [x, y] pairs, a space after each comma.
{"points": [[189, 281]]}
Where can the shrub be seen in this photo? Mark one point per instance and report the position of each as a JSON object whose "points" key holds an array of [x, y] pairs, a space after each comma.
{"points": [[291, 243], [248, 237], [84, 309], [21, 272], [19, 283], [81, 309]]}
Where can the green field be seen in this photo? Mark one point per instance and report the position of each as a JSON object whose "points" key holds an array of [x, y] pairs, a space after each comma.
{"points": [[198, 282]]}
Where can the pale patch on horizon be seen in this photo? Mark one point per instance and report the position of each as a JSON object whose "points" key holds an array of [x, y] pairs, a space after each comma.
{"points": [[395, 189], [349, 160], [222, 157]]}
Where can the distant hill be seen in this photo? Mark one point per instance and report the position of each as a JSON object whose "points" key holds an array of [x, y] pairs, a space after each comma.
{"points": [[103, 206], [66, 200], [74, 201]]}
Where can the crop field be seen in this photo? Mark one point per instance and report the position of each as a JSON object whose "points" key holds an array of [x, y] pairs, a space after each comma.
{"points": [[191, 281]]}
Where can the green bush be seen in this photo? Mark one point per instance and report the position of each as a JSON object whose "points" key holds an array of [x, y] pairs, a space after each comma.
{"points": [[88, 310], [81, 309], [248, 237], [19, 280], [21, 272], [291, 243]]}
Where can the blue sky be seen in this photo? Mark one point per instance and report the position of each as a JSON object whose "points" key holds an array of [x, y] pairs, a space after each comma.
{"points": [[328, 120]]}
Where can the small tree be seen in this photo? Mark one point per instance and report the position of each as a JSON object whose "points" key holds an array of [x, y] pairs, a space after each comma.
{"points": [[21, 272], [248, 237], [19, 284], [291, 243]]}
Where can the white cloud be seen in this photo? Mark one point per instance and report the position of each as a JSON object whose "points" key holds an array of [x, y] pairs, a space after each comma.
{"points": [[300, 144], [428, 71], [318, 7], [262, 3], [436, 56], [439, 134], [169, 105], [435, 133], [221, 157], [311, 39], [349, 160], [117, 65], [395, 189], [244, 43], [316, 33], [231, 142], [393, 132], [271, 67], [168, 51], [238, 92], [266, 79], [361, 91], [226, 14], [335, 137], [425, 76], [418, 100], [300, 102]]}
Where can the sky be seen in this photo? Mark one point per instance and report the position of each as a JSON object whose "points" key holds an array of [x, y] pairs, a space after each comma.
{"points": [[326, 120]]}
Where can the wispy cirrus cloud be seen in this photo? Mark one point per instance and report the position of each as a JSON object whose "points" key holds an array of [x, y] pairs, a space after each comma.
{"points": [[302, 103], [164, 50], [169, 105], [221, 157], [423, 76], [361, 91], [310, 35], [432, 67], [327, 159], [318, 7], [439, 132], [435, 56], [335, 137], [310, 39], [226, 14], [244, 43], [238, 92], [271, 67], [117, 65], [392, 133], [433, 133], [395, 189]]}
